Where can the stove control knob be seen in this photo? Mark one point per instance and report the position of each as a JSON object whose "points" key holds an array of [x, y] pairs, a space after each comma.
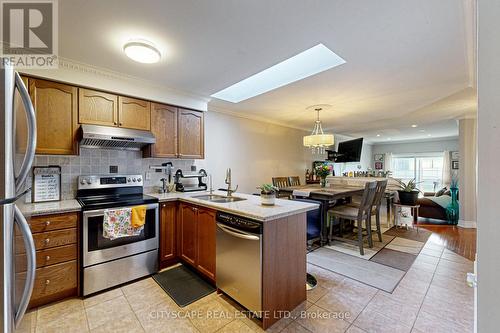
{"points": [[139, 179], [83, 181], [89, 181], [133, 179], [129, 180]]}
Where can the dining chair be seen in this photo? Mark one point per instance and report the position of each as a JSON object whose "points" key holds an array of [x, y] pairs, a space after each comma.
{"points": [[358, 215], [281, 182], [294, 181], [376, 206]]}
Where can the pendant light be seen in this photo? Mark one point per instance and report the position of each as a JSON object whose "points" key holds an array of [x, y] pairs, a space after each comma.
{"points": [[318, 141]]}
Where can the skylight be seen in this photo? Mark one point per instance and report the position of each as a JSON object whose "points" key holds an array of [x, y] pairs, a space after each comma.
{"points": [[309, 62]]}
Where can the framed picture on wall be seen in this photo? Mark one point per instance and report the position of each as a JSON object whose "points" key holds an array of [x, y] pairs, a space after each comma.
{"points": [[379, 165], [378, 157], [454, 165]]}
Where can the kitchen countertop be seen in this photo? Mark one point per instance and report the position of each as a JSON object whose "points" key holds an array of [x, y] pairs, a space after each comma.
{"points": [[54, 207], [251, 207]]}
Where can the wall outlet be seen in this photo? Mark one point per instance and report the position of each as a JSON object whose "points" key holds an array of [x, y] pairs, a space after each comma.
{"points": [[113, 169], [193, 167], [147, 176]]}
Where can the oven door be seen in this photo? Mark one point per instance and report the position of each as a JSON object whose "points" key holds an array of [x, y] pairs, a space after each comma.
{"points": [[97, 249]]}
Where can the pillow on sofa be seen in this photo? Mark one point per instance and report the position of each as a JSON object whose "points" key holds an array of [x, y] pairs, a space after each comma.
{"points": [[440, 192]]}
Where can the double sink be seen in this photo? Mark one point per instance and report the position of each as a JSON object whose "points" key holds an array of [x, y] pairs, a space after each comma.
{"points": [[217, 198]]}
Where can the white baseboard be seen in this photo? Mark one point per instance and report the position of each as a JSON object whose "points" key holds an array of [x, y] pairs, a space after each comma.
{"points": [[467, 224]]}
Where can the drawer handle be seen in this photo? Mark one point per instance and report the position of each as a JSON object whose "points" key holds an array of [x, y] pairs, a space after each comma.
{"points": [[47, 241], [47, 258], [47, 282], [47, 223]]}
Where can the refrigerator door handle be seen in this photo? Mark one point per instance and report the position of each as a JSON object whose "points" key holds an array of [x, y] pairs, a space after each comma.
{"points": [[31, 121], [29, 244], [14, 199]]}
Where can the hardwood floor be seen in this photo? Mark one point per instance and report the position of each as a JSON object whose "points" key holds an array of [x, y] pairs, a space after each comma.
{"points": [[462, 241]]}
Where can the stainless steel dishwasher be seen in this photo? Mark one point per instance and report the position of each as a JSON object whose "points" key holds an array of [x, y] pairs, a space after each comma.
{"points": [[239, 259]]}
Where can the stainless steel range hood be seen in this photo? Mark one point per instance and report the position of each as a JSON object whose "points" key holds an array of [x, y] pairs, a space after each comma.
{"points": [[95, 136]]}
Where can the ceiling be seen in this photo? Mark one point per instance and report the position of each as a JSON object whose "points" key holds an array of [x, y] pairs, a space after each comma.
{"points": [[406, 60]]}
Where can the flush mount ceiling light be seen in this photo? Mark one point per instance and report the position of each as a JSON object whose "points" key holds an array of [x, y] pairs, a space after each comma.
{"points": [[142, 51], [318, 141], [309, 62], [414, 125]]}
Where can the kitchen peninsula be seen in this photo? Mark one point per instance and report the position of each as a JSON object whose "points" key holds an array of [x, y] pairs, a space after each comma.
{"points": [[188, 235]]}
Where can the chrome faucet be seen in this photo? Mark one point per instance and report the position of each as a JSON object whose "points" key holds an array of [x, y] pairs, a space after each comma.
{"points": [[230, 191], [211, 187]]}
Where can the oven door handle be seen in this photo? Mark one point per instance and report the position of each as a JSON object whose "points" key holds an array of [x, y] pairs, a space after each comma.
{"points": [[100, 212]]}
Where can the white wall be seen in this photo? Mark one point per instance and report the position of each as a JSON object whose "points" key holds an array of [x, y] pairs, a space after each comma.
{"points": [[488, 136], [467, 173], [255, 151], [417, 147]]}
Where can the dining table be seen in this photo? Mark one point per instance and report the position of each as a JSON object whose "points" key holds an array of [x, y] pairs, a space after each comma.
{"points": [[327, 197]]}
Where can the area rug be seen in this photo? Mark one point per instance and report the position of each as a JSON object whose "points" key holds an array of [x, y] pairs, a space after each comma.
{"points": [[183, 285], [415, 234], [394, 259], [380, 276], [353, 249]]}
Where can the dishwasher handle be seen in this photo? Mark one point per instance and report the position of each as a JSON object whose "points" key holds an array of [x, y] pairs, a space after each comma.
{"points": [[237, 233]]}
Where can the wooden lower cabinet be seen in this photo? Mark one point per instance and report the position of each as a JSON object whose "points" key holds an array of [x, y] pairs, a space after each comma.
{"points": [[56, 243], [188, 233], [206, 243], [196, 237], [52, 283], [168, 253]]}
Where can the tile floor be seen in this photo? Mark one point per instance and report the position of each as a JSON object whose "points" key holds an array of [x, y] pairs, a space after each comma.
{"points": [[432, 297]]}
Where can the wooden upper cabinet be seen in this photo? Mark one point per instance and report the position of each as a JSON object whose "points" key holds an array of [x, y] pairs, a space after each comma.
{"points": [[191, 142], [206, 243], [97, 108], [56, 108], [164, 128], [134, 113]]}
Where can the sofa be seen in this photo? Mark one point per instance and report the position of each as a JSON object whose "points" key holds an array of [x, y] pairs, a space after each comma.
{"points": [[429, 208]]}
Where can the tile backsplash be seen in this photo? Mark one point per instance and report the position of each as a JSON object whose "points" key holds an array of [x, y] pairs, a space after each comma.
{"points": [[98, 161]]}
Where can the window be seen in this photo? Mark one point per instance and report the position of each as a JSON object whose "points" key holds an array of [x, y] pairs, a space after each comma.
{"points": [[426, 169]]}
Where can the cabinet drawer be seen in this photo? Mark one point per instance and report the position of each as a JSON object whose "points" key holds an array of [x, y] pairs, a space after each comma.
{"points": [[50, 281], [48, 257], [46, 240], [53, 222]]}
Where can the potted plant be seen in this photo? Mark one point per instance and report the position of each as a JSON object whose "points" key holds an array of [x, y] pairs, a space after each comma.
{"points": [[267, 194], [322, 171], [408, 192]]}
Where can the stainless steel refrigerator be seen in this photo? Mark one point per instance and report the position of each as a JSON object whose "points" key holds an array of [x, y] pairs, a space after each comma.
{"points": [[17, 151]]}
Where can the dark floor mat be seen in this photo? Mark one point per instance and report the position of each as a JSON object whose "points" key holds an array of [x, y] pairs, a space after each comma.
{"points": [[421, 235], [183, 285], [395, 259]]}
